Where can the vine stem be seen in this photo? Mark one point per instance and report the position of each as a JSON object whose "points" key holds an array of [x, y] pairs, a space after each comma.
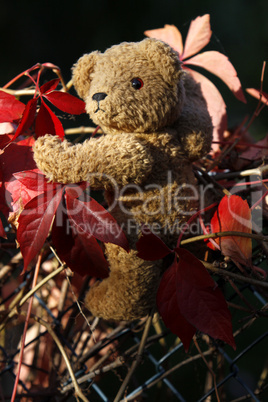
{"points": [[20, 299], [138, 358], [240, 278], [78, 391], [36, 272], [222, 234], [41, 283], [209, 368]]}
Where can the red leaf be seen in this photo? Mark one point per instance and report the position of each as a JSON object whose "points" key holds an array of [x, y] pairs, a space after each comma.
{"points": [[29, 141], [76, 190], [81, 252], [92, 219], [27, 118], [34, 223], [48, 123], [20, 153], [201, 301], [49, 86], [233, 214], [28, 185], [2, 230], [4, 140], [256, 93], [16, 157], [170, 35], [215, 104], [20, 194], [36, 181], [260, 152], [218, 64], [151, 247], [198, 36], [169, 309], [66, 102], [10, 108]]}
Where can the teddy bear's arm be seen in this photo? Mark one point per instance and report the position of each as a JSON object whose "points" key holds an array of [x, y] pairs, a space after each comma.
{"points": [[103, 161]]}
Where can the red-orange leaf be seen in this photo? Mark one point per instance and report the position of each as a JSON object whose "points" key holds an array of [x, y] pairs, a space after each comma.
{"points": [[201, 301], [215, 104], [169, 34], [198, 36], [233, 214], [218, 64]]}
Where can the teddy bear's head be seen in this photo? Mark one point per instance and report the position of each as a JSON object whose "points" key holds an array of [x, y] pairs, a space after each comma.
{"points": [[131, 87]]}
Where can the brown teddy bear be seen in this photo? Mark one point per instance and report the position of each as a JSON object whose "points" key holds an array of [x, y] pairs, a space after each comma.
{"points": [[156, 123]]}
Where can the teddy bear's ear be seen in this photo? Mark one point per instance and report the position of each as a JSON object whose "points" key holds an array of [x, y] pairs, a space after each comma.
{"points": [[164, 57], [82, 71]]}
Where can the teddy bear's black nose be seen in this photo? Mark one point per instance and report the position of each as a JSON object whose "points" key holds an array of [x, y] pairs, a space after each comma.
{"points": [[99, 96]]}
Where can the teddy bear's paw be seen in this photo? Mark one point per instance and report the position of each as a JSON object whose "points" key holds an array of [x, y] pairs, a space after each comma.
{"points": [[52, 157]]}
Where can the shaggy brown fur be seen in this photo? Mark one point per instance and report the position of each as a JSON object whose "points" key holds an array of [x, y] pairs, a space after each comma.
{"points": [[143, 162]]}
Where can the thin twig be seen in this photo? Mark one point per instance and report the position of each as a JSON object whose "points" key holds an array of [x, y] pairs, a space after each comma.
{"points": [[36, 273], [78, 391], [237, 277], [138, 357], [41, 283], [81, 130], [225, 152], [19, 92], [209, 368], [120, 361], [87, 377], [170, 371], [259, 106], [8, 267], [222, 234]]}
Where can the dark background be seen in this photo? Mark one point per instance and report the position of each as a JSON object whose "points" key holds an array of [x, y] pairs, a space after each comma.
{"points": [[60, 32]]}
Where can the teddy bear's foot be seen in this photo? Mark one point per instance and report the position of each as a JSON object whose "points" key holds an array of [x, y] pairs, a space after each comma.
{"points": [[128, 293], [115, 299]]}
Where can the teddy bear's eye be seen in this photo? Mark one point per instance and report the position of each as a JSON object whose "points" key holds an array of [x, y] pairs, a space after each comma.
{"points": [[137, 83]]}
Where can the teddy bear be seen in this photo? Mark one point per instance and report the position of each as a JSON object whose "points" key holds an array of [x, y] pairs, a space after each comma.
{"points": [[155, 123]]}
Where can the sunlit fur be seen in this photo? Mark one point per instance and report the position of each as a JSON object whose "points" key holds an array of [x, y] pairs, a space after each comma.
{"points": [[152, 135]]}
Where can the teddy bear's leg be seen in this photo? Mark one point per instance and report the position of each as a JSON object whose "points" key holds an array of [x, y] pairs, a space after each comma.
{"points": [[130, 290]]}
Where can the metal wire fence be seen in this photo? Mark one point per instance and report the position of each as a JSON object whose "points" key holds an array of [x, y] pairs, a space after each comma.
{"points": [[67, 355], [101, 354]]}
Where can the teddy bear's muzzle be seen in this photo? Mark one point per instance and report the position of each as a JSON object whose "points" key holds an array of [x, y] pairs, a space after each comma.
{"points": [[99, 96]]}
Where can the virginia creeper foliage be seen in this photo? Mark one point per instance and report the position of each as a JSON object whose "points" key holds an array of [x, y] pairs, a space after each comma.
{"points": [[198, 37], [65, 215]]}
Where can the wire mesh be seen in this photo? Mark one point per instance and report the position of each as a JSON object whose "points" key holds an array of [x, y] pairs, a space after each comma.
{"points": [[66, 348], [101, 354]]}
